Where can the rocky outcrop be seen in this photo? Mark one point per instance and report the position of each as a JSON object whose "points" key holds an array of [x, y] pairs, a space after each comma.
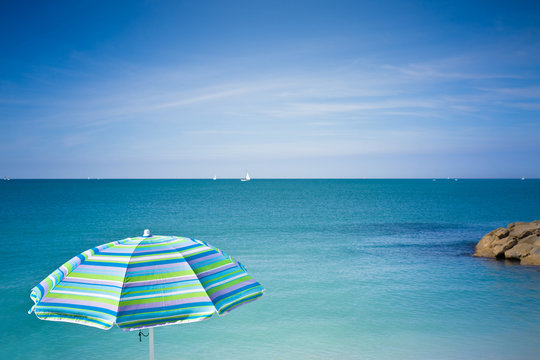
{"points": [[519, 241]]}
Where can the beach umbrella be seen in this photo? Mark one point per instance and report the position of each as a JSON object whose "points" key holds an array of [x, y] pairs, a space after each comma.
{"points": [[144, 282]]}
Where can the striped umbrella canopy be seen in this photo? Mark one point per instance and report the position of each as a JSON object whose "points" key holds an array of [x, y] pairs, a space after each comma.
{"points": [[144, 282]]}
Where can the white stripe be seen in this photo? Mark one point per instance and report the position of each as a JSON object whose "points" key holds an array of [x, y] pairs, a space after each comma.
{"points": [[224, 281], [193, 251], [204, 272], [109, 258], [83, 280], [183, 277], [126, 298], [156, 257]]}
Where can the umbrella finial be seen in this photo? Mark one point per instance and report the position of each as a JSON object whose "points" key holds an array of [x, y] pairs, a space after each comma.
{"points": [[146, 233]]}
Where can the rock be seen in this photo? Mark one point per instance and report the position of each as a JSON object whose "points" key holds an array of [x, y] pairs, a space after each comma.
{"points": [[533, 258], [522, 249], [520, 241], [494, 243]]}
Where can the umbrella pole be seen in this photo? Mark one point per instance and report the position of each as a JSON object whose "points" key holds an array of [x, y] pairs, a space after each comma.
{"points": [[151, 343]]}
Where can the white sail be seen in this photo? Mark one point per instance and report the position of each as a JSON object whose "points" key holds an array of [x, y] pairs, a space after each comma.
{"points": [[246, 178]]}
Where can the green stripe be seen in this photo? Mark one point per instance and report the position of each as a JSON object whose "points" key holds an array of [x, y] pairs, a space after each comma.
{"points": [[242, 292], [159, 299], [150, 261], [229, 284], [125, 292], [113, 292], [221, 277], [159, 276], [240, 302], [202, 251], [211, 266], [94, 299], [81, 275]]}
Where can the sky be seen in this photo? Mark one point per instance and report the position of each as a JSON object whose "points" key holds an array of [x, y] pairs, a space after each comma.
{"points": [[284, 89]]}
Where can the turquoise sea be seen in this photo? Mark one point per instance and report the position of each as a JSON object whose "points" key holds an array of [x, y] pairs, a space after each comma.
{"points": [[353, 269]]}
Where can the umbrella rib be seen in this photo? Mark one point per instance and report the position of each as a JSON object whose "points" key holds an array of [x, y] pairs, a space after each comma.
{"points": [[124, 278]]}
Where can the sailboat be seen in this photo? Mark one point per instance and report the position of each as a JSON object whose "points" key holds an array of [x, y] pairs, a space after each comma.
{"points": [[246, 178], [214, 178]]}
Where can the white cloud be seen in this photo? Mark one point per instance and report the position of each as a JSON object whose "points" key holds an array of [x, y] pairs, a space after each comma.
{"points": [[516, 92], [357, 109]]}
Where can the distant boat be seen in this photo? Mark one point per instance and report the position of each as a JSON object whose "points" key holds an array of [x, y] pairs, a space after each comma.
{"points": [[214, 178], [522, 178], [246, 178]]}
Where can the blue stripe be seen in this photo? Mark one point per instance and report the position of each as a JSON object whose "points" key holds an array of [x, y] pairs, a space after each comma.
{"points": [[164, 308], [172, 312], [241, 302], [194, 246], [46, 305], [209, 279], [157, 252], [67, 282], [138, 290], [41, 290], [229, 294], [133, 273], [203, 254], [97, 251], [235, 299], [105, 253], [210, 262], [87, 288]]}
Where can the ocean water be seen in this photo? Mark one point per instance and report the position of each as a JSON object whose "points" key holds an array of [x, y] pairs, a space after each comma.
{"points": [[353, 269]]}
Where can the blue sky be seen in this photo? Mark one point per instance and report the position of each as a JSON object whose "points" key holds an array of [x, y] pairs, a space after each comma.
{"points": [[189, 89]]}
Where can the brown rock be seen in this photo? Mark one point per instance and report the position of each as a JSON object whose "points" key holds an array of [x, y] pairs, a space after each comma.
{"points": [[521, 240], [522, 249], [533, 258], [495, 243], [524, 229]]}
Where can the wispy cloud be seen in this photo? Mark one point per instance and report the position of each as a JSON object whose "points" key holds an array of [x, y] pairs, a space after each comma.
{"points": [[318, 108], [344, 110], [516, 92], [525, 106], [197, 99], [429, 71]]}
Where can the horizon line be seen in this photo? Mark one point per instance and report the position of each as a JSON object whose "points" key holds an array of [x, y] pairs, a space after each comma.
{"points": [[282, 178]]}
